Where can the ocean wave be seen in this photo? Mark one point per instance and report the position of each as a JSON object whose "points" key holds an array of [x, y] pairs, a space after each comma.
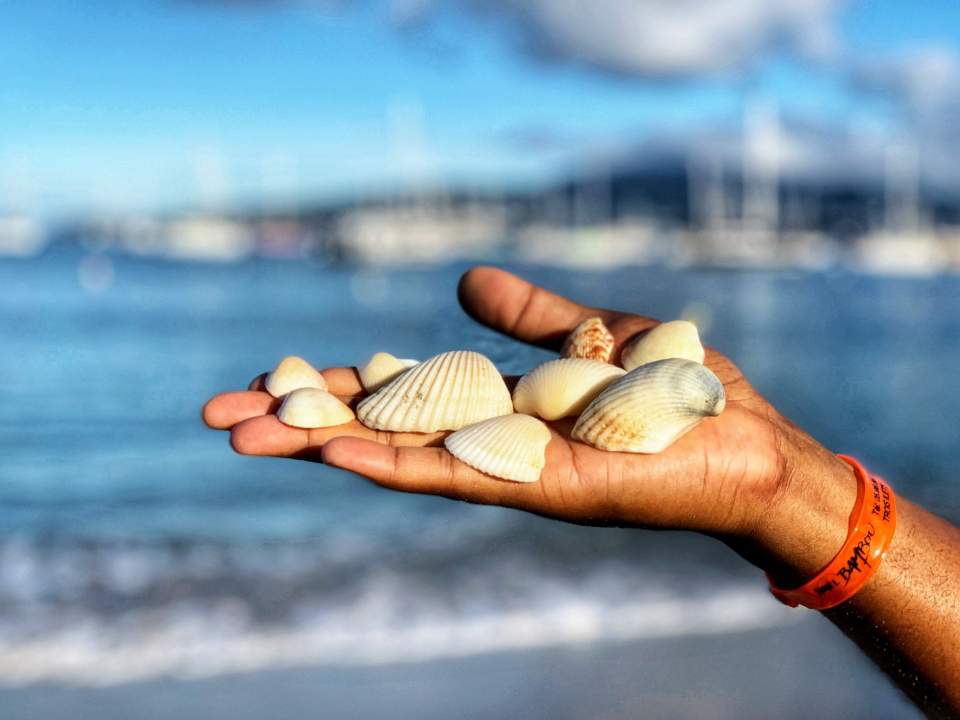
{"points": [[186, 642], [107, 612]]}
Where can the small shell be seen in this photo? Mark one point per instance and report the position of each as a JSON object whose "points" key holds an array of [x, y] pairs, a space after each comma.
{"points": [[292, 373], [675, 339], [313, 408], [381, 368], [561, 388], [591, 340], [447, 392], [650, 407], [512, 447]]}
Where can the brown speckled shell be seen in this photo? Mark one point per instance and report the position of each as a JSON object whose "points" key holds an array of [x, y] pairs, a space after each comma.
{"points": [[590, 340]]}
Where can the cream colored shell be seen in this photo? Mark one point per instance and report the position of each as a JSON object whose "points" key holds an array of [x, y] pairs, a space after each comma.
{"points": [[675, 339], [313, 408], [511, 447], [380, 369], [292, 373], [591, 340], [650, 407], [561, 388], [446, 392]]}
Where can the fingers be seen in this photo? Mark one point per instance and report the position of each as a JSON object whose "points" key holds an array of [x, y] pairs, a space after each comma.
{"points": [[343, 381], [430, 470], [225, 410], [513, 306], [266, 435]]}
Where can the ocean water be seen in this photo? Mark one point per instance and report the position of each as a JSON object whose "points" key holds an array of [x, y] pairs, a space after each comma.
{"points": [[134, 544]]}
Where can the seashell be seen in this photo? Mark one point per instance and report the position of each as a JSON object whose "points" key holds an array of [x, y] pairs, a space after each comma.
{"points": [[381, 368], [561, 388], [675, 339], [292, 373], [447, 392], [591, 340], [512, 447], [651, 406], [313, 408]]}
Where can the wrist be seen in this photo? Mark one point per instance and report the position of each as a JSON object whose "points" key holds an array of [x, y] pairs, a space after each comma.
{"points": [[806, 522]]}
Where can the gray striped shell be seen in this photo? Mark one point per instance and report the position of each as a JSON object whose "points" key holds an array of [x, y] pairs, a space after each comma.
{"points": [[447, 392], [647, 409]]}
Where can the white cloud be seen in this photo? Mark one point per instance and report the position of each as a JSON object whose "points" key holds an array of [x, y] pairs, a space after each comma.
{"points": [[925, 81], [655, 38]]}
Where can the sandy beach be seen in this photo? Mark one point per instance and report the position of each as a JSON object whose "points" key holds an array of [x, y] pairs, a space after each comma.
{"points": [[804, 670]]}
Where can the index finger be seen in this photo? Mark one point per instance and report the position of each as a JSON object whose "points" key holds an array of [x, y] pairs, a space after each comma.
{"points": [[511, 305]]}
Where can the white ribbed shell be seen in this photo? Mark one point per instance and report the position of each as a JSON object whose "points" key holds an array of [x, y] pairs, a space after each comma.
{"points": [[313, 408], [650, 407], [512, 447], [446, 392], [561, 388], [674, 339], [292, 373], [591, 340], [381, 368]]}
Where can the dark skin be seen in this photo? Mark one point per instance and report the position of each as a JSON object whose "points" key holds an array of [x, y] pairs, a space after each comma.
{"points": [[748, 477]]}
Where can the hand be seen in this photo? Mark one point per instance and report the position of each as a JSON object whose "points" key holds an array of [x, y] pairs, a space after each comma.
{"points": [[749, 477], [722, 478]]}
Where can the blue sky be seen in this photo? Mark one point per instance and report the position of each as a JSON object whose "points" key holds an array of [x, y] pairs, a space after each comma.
{"points": [[116, 106]]}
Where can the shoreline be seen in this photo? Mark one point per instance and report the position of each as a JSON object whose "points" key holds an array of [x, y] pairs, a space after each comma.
{"points": [[800, 670]]}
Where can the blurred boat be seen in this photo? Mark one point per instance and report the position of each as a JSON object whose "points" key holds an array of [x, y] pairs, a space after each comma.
{"points": [[601, 246], [20, 236], [903, 253], [419, 233], [211, 239]]}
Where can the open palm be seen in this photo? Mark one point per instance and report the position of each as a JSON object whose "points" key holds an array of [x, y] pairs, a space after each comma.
{"points": [[709, 480]]}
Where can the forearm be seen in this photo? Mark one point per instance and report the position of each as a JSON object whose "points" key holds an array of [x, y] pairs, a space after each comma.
{"points": [[907, 618]]}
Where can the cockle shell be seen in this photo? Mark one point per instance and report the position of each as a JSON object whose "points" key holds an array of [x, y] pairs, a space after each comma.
{"points": [[381, 368], [650, 407], [675, 339], [512, 447], [447, 392], [561, 388], [313, 408], [591, 340], [292, 373]]}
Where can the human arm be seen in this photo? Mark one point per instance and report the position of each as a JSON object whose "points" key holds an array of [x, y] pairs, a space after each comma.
{"points": [[748, 477]]}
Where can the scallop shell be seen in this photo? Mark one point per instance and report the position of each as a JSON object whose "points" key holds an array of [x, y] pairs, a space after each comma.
{"points": [[650, 407], [561, 388], [381, 368], [591, 340], [292, 373], [675, 339], [447, 392], [512, 447], [313, 408]]}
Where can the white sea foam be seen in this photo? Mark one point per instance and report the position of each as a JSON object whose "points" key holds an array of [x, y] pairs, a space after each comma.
{"points": [[185, 642]]}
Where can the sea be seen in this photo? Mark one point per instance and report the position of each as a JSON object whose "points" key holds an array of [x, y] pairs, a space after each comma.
{"points": [[134, 544]]}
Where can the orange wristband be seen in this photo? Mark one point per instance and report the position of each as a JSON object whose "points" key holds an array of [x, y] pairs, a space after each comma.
{"points": [[872, 522]]}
